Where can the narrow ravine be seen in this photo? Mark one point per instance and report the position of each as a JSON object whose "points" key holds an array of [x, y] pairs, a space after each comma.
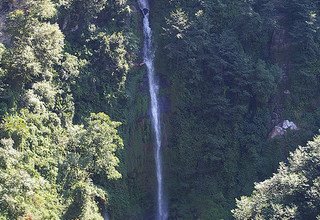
{"points": [[148, 53]]}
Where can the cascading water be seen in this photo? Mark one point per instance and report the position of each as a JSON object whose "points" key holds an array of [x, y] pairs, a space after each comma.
{"points": [[148, 53]]}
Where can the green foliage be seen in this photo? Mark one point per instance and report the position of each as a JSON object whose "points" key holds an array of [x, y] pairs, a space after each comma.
{"points": [[48, 165], [264, 82], [88, 9], [41, 9], [235, 69], [108, 47], [84, 194], [98, 146], [178, 23], [291, 193], [113, 47], [37, 46], [226, 68], [49, 153], [70, 68], [25, 193]]}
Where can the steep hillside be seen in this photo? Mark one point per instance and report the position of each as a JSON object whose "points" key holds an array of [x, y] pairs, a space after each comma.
{"points": [[236, 72], [238, 90]]}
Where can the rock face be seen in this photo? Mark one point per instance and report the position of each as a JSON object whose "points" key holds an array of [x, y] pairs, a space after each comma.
{"points": [[282, 128], [145, 11]]}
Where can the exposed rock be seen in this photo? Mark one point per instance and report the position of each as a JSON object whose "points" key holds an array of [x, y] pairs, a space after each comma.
{"points": [[145, 11], [277, 131], [289, 125], [281, 129]]}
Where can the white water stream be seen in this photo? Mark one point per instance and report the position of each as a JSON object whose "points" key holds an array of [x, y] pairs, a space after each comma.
{"points": [[148, 52]]}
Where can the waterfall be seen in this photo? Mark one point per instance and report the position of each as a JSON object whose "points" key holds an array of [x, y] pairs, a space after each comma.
{"points": [[148, 53], [105, 215]]}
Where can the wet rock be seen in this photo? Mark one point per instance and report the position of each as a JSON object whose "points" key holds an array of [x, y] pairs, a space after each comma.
{"points": [[145, 11]]}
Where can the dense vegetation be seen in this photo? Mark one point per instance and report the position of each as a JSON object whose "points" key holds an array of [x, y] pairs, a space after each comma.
{"points": [[235, 70], [230, 71], [292, 193], [51, 160]]}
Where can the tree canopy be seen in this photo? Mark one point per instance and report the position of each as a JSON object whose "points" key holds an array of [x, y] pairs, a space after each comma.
{"points": [[291, 193]]}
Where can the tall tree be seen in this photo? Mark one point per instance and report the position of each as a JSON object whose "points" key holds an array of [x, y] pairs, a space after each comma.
{"points": [[291, 193]]}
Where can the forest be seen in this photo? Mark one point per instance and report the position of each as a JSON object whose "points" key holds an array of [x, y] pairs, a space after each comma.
{"points": [[237, 88]]}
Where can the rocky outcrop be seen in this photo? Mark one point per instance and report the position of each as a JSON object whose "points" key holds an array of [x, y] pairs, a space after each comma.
{"points": [[280, 51], [282, 128]]}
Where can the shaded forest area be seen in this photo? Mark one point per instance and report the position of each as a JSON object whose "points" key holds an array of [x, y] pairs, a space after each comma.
{"points": [[236, 70]]}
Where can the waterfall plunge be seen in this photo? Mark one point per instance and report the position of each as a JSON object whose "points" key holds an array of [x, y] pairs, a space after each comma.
{"points": [[148, 55]]}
